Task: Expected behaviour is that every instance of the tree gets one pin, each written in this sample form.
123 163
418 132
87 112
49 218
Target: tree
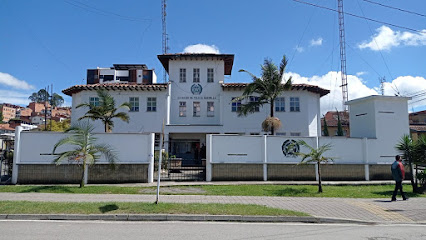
56 100
316 156
86 151
42 95
407 147
339 125
325 128
268 87
1 116
56 126
106 111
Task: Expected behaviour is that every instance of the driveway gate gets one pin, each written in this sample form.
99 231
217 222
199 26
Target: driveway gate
177 169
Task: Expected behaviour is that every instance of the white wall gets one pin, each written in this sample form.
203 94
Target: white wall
251 149
36 147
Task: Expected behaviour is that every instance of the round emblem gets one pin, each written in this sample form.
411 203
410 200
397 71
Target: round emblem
290 147
196 89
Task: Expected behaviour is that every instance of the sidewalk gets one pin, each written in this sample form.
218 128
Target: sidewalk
328 209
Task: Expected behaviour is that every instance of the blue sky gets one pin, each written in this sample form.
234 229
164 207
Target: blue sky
55 41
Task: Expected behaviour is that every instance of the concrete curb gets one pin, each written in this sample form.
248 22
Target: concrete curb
177 217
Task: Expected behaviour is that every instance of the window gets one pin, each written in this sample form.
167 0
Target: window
280 104
294 104
295 134
196 75
151 104
236 106
134 104
255 99
280 134
122 79
106 77
196 109
210 109
182 109
210 75
94 101
182 75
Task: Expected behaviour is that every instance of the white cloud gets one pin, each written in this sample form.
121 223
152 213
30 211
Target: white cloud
386 38
332 81
299 49
316 42
361 73
14 97
11 81
404 85
201 48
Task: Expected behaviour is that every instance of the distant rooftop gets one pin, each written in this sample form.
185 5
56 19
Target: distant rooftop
129 66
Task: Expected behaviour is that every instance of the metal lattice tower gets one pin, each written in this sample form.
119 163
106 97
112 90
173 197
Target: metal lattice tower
164 38
342 54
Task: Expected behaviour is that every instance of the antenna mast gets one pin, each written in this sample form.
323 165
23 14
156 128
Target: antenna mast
382 85
163 18
343 54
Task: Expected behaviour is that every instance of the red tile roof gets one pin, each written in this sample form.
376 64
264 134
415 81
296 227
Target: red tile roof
418 128
331 118
116 86
302 86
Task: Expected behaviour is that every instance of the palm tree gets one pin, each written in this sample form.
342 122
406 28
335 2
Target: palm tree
86 151
408 149
316 156
106 111
268 87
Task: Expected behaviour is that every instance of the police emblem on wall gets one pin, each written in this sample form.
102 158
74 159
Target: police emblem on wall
290 147
196 89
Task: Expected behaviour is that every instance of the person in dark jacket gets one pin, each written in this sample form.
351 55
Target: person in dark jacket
398 174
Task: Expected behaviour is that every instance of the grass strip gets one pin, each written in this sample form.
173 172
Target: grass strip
27 207
346 191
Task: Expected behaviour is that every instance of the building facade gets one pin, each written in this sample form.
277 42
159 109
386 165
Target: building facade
195 102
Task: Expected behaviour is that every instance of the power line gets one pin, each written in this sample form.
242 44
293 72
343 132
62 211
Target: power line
103 12
354 15
399 9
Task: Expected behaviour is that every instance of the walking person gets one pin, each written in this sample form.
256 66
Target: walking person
398 174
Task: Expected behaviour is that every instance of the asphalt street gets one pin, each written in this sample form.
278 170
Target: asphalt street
67 230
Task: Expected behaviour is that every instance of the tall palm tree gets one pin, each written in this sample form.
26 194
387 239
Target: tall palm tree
106 111
86 151
316 156
268 87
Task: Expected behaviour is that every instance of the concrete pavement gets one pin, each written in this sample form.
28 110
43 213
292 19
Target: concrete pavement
322 209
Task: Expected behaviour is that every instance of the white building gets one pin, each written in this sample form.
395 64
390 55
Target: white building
196 101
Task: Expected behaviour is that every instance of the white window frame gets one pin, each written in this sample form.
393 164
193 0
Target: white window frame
151 104
196 109
235 106
280 104
182 109
210 109
182 75
294 104
196 75
255 99
94 101
210 75
134 104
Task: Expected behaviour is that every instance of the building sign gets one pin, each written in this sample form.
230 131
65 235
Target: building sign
290 147
196 89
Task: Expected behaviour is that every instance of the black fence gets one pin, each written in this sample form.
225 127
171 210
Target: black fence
177 169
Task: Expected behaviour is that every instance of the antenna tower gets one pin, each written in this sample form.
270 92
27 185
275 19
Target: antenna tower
164 38
382 85
343 54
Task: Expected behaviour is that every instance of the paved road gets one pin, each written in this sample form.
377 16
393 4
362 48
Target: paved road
66 230
374 210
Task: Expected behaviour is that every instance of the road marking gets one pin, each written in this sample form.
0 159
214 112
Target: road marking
381 212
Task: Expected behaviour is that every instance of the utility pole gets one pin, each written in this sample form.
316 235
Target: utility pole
343 54
46 92
164 35
51 107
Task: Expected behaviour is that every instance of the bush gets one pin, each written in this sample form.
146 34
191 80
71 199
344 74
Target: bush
164 160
